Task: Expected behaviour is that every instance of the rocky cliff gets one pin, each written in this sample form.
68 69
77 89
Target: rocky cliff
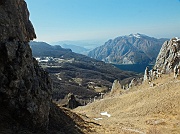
14 21
169 55
25 89
131 49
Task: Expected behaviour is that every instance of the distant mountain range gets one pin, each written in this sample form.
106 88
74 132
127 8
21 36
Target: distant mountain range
130 49
43 49
76 49
88 44
46 48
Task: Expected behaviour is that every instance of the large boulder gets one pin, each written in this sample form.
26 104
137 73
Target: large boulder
25 89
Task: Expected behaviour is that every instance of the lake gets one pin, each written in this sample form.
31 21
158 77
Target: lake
139 68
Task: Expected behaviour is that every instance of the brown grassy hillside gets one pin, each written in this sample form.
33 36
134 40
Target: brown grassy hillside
141 110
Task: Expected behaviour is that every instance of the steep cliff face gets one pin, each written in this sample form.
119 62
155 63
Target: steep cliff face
169 55
14 21
25 89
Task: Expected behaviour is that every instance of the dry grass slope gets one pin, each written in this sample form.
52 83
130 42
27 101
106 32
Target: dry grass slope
141 110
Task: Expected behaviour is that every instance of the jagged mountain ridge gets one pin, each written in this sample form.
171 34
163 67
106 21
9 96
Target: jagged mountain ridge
131 49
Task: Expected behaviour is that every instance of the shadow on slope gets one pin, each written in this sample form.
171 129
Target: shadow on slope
61 121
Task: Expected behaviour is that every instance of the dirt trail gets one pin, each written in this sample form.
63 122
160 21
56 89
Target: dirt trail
141 110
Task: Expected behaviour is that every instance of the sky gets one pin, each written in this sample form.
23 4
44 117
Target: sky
59 20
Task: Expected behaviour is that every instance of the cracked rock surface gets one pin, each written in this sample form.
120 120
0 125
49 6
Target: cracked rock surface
25 89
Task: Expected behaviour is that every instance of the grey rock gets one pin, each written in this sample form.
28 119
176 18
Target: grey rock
169 56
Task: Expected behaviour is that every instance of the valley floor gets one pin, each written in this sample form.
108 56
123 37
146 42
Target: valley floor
141 110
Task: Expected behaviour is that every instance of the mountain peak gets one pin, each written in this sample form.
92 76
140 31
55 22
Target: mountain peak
120 50
137 35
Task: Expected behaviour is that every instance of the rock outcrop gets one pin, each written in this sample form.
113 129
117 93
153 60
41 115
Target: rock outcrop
146 74
116 88
169 56
70 101
25 89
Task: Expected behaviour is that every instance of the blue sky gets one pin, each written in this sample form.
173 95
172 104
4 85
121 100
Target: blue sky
57 20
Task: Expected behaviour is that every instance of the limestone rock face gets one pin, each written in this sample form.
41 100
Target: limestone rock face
169 55
25 89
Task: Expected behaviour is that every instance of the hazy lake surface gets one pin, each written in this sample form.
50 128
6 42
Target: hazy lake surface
139 68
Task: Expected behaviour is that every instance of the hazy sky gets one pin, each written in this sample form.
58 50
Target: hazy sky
56 20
